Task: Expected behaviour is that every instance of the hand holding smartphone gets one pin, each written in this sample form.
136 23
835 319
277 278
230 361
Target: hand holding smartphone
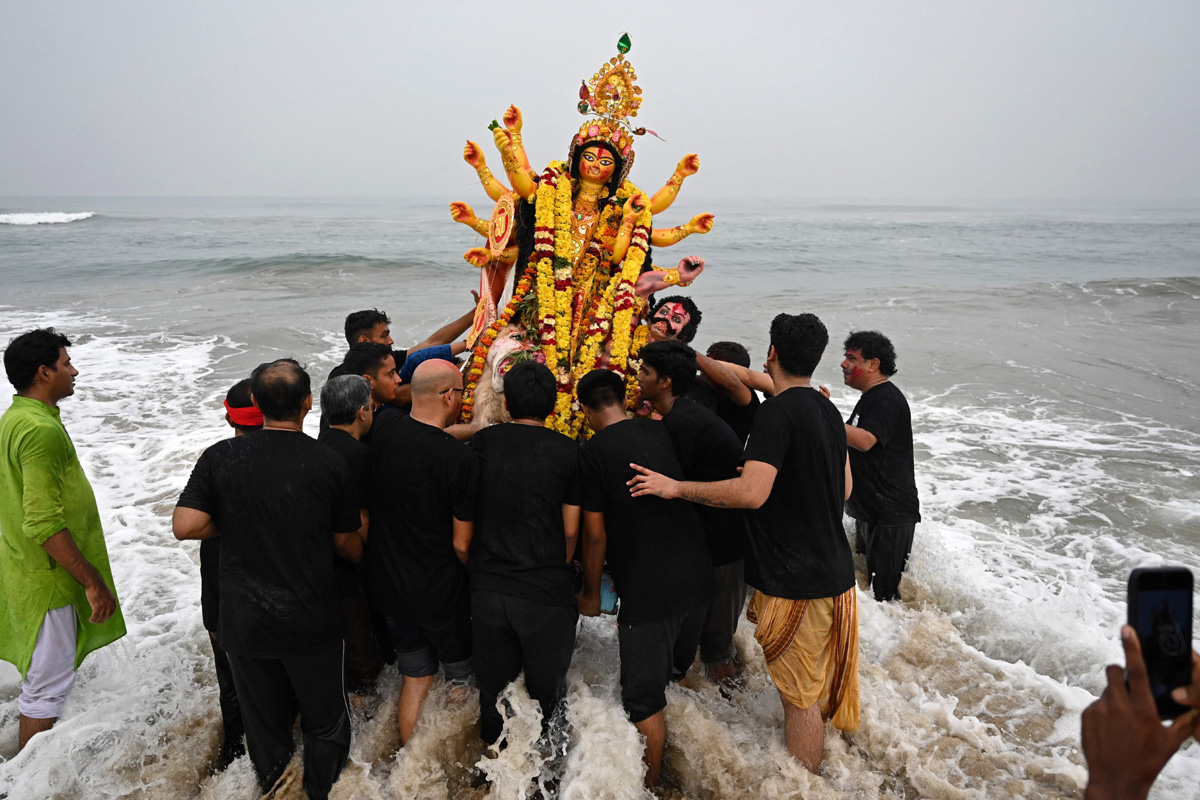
1160 610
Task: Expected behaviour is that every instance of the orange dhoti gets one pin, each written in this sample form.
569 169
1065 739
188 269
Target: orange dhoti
811 647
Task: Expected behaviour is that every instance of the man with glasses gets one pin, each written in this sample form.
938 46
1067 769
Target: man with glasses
423 487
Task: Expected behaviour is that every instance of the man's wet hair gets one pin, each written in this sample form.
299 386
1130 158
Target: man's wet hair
365 358
238 396
600 389
343 396
689 331
27 352
280 388
361 323
730 352
671 359
799 341
873 344
530 391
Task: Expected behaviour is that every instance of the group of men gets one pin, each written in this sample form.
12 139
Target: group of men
389 539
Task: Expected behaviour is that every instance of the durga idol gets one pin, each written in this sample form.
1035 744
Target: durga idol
579 234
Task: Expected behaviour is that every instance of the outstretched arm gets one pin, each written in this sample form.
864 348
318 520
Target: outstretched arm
481 256
519 175
759 381
473 155
664 197
448 332
719 373
461 212
748 490
665 237
656 280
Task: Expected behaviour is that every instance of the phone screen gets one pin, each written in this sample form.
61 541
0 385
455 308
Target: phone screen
1163 620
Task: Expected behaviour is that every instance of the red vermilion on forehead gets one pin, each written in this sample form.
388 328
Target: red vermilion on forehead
602 152
675 308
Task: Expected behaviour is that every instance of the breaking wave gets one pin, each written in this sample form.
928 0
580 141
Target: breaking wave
44 217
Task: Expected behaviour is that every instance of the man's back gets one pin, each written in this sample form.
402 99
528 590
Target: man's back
656 549
422 479
277 498
796 544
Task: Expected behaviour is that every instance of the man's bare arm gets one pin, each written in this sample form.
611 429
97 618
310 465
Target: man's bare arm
571 515
349 546
859 439
62 548
849 479
755 380
720 374
749 490
191 523
463 533
447 333
595 546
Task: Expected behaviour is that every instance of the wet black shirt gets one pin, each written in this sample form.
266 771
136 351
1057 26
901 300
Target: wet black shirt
421 479
519 547
709 450
740 418
885 486
796 544
358 473
277 498
657 553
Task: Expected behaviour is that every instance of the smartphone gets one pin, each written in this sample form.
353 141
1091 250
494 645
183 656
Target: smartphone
1160 610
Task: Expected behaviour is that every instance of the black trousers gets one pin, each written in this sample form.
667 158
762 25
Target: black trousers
265 688
512 634
887 548
231 710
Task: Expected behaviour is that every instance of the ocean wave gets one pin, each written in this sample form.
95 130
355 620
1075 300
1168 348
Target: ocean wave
44 217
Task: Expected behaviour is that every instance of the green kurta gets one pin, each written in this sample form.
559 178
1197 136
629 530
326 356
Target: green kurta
43 490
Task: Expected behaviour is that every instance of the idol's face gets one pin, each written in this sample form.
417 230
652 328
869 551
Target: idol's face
597 164
669 321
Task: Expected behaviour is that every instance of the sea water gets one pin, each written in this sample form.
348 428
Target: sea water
1047 350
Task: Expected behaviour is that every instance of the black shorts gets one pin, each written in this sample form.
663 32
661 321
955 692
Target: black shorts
653 654
420 646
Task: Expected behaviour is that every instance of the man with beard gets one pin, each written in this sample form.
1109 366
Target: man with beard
674 317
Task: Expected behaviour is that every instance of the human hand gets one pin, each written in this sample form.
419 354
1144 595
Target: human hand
701 223
461 212
1190 695
688 165
102 602
588 603
690 268
652 483
478 256
474 298
473 155
824 390
1124 742
512 119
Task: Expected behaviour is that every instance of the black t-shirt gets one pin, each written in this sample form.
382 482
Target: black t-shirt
210 582
421 479
739 418
657 553
277 498
885 485
795 544
709 450
519 547
358 473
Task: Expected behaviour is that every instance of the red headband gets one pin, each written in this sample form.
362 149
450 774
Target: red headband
249 417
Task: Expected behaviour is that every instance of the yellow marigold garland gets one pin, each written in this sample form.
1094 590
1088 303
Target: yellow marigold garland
479 354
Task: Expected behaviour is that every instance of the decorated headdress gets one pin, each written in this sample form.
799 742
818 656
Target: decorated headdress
613 97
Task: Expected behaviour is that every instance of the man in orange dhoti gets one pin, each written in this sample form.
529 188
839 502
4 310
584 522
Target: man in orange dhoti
796 479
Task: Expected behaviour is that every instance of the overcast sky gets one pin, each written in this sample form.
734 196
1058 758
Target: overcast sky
954 99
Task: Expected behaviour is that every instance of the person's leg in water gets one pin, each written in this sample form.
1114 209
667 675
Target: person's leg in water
804 733
654 728
50 677
319 686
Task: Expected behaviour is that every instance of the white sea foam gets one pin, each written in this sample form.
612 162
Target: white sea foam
44 217
971 689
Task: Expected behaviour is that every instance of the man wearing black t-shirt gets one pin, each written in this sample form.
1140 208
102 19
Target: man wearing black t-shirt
719 389
283 507
884 503
346 403
377 364
795 479
423 488
656 554
522 591
708 450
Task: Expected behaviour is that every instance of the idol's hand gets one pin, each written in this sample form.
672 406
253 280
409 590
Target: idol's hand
690 268
701 223
688 165
636 205
478 256
500 136
473 155
512 119
652 483
461 212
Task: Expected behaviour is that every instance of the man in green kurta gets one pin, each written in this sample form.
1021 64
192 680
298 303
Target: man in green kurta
56 588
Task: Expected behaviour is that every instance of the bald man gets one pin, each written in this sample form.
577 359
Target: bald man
423 487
